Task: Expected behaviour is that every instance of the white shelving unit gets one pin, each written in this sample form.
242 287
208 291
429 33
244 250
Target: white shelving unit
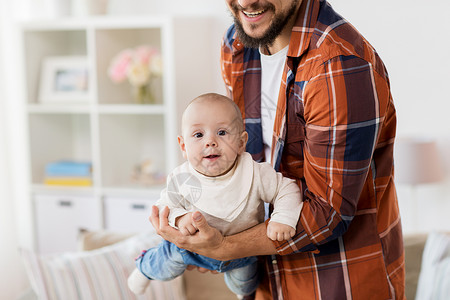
107 129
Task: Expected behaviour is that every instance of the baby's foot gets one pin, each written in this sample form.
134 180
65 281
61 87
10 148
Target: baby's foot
137 282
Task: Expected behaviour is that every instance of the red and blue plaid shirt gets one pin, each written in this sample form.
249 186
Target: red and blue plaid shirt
334 133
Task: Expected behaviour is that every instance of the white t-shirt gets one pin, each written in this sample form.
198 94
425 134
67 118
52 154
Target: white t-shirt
271 73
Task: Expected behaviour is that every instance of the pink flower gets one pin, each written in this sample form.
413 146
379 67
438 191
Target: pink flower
143 54
137 65
119 67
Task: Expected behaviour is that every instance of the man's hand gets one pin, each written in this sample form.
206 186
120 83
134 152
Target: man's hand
207 241
200 269
279 232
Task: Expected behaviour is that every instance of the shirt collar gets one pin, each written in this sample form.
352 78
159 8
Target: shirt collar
304 27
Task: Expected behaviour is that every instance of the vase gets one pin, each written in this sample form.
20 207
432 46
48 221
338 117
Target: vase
89 7
143 95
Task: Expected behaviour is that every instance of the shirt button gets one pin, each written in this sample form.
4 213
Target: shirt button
274 262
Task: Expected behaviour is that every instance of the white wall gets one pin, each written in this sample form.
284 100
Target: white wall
411 37
12 276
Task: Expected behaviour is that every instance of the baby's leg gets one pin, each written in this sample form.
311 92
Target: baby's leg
243 281
162 262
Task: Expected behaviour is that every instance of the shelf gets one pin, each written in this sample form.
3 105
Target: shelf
65 190
58 108
149 191
67 108
132 109
119 22
131 191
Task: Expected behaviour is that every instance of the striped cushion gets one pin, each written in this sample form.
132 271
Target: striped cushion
434 280
442 285
97 274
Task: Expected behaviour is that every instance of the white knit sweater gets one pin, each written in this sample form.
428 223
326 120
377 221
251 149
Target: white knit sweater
235 201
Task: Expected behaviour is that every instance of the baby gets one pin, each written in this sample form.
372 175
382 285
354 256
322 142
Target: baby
221 181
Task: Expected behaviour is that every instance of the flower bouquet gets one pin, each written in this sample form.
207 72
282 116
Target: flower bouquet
140 66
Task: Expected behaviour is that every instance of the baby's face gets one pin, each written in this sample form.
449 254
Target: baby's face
212 138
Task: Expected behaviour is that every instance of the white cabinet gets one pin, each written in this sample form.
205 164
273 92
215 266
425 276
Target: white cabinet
127 215
107 128
59 219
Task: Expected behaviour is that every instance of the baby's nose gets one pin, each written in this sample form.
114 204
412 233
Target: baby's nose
211 142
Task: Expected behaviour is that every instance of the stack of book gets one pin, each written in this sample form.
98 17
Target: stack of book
68 173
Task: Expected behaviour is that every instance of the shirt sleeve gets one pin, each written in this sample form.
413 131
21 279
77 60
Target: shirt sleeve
174 201
282 192
344 107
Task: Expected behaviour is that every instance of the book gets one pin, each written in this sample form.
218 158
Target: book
68 181
68 168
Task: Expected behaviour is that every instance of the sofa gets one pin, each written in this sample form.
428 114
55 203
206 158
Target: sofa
194 285
414 245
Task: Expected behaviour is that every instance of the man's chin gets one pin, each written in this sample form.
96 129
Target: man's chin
249 37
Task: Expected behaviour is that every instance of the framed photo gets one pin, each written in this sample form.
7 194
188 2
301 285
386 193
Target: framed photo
64 79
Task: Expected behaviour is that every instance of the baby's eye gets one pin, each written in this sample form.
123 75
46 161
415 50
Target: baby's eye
198 135
221 132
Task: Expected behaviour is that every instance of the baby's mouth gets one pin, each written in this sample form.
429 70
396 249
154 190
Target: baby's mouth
212 156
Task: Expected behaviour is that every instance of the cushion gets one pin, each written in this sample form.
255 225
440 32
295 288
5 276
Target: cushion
434 280
90 240
198 286
413 244
97 274
442 285
206 286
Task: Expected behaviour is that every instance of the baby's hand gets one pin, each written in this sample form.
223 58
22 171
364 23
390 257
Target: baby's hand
185 225
279 232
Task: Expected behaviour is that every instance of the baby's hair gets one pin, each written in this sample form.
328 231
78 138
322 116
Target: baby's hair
218 97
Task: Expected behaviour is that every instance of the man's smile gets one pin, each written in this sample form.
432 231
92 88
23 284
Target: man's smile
253 14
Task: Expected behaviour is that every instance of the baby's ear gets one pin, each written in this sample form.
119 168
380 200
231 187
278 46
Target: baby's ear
243 142
182 145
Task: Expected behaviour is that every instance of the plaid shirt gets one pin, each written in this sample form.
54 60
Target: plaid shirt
333 132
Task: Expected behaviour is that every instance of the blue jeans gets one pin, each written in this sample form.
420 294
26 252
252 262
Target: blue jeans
167 261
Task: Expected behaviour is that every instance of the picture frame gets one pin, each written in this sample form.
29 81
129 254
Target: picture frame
64 79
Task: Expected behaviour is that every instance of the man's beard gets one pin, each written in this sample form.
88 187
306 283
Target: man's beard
275 29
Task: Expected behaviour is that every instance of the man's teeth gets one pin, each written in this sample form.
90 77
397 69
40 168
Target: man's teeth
253 14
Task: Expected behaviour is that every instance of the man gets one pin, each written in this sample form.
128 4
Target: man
334 120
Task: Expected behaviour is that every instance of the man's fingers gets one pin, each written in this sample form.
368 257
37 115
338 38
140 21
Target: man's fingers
200 269
199 221
164 217
154 217
204 270
191 229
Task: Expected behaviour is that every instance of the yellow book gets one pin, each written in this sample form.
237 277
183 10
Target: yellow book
68 181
